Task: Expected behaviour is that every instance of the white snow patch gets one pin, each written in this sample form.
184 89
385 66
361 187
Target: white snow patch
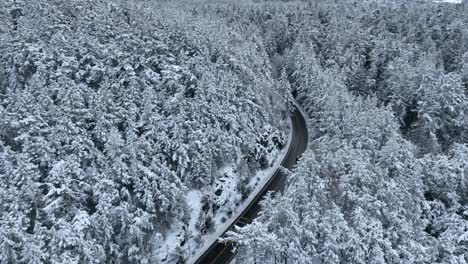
229 194
193 199
255 181
228 184
166 250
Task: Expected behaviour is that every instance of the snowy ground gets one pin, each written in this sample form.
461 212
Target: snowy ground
194 199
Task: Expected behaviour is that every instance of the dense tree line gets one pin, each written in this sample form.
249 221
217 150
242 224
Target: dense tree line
110 111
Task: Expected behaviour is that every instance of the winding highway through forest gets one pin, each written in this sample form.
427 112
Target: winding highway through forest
220 253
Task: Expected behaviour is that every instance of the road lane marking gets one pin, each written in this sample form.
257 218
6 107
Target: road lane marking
220 253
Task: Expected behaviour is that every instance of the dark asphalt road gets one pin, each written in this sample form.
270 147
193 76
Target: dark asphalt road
220 253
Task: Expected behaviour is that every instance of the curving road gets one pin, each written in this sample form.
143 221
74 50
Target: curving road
218 252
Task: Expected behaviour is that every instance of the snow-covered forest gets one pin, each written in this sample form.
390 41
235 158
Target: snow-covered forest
130 129
111 113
